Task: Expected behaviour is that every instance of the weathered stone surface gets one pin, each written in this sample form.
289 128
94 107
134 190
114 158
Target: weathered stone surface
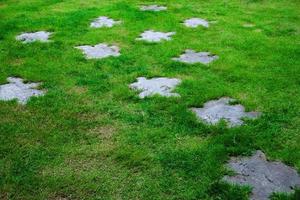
161 86
216 110
154 8
195 22
104 22
192 57
41 36
16 89
99 51
152 36
263 176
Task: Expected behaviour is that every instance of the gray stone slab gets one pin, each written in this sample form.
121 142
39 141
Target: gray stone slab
192 57
263 176
153 36
216 110
154 8
195 22
161 86
16 89
104 21
41 36
99 51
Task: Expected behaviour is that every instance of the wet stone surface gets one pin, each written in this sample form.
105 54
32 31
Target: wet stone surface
16 89
104 22
192 57
161 86
263 176
41 36
195 22
154 8
216 110
152 36
99 51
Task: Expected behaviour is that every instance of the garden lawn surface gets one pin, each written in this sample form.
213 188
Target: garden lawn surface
91 137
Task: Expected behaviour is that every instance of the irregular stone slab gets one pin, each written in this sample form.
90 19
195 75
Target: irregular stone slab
248 25
16 89
99 51
152 36
41 36
161 86
104 22
263 176
216 110
192 57
154 8
195 22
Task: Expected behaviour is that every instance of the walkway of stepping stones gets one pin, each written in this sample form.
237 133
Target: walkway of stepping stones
265 177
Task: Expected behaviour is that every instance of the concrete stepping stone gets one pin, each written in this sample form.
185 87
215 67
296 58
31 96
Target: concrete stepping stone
104 22
41 36
17 89
152 36
99 51
192 57
263 176
195 22
216 110
154 8
161 86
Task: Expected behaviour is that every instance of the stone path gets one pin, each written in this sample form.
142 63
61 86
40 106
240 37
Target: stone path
264 176
192 57
154 8
152 36
104 22
161 86
195 22
41 36
99 51
16 89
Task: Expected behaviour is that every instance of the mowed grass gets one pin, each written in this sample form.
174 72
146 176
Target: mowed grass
91 137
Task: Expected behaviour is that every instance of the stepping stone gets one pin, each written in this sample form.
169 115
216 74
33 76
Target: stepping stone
216 110
99 51
152 36
41 36
17 89
195 22
161 86
104 22
248 25
192 57
263 176
154 8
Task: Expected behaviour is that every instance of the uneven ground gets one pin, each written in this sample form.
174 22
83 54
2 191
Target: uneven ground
91 137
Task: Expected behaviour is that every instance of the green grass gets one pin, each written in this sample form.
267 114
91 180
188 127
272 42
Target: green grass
91 137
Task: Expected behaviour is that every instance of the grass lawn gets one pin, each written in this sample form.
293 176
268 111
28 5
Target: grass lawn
91 137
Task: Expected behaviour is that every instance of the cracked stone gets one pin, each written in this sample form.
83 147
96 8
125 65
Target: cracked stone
192 57
216 110
41 36
161 86
195 22
16 89
104 22
154 8
99 51
152 36
263 176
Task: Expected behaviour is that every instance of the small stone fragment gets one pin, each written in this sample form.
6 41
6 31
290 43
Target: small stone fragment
41 36
154 8
16 89
99 51
104 22
216 110
263 176
195 22
152 36
161 86
192 57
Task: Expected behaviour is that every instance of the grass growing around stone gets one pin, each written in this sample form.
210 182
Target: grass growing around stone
91 137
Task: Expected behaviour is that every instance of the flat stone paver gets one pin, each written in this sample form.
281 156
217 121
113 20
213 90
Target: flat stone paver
153 36
104 22
216 110
154 8
99 51
195 22
192 57
161 86
16 89
41 36
263 176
